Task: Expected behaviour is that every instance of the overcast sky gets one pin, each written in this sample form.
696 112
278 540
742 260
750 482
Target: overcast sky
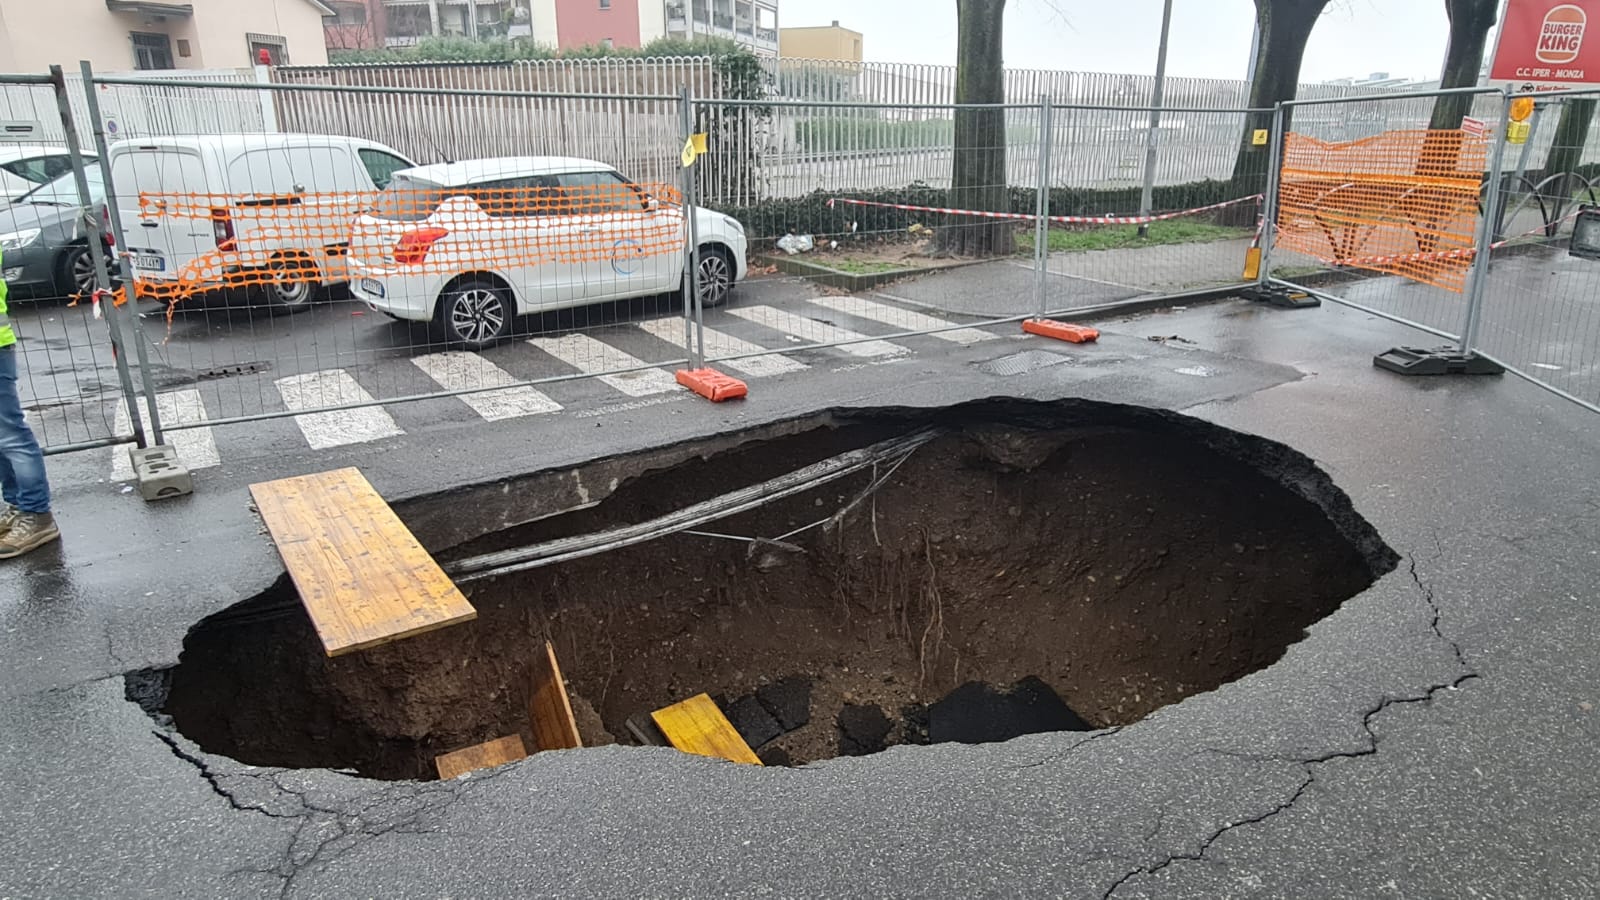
1210 38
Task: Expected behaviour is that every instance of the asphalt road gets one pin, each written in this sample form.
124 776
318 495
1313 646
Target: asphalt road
1436 736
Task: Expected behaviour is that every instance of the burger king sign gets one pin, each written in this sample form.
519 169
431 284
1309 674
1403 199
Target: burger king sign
1547 45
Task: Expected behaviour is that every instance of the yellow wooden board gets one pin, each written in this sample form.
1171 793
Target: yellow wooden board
697 726
549 707
361 574
486 755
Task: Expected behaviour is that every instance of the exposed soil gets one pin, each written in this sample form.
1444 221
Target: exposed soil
1126 567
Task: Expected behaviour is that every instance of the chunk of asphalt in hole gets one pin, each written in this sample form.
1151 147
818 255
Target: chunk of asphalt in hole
976 713
788 700
753 723
862 730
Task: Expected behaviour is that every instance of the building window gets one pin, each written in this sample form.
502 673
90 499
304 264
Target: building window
151 51
351 13
605 4
276 47
607 43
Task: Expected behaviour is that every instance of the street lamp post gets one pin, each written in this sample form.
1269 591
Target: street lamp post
1146 198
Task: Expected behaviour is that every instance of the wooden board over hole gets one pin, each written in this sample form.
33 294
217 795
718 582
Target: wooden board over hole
549 707
361 574
697 726
486 755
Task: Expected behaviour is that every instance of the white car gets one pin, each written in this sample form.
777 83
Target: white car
469 246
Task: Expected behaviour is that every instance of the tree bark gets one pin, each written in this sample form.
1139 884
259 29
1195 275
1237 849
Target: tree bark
978 175
1572 132
1470 22
1285 27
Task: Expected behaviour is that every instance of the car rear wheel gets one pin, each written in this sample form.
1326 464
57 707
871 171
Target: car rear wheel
75 273
715 277
293 285
474 314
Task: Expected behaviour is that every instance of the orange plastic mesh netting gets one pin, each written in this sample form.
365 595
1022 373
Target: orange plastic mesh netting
1402 202
282 239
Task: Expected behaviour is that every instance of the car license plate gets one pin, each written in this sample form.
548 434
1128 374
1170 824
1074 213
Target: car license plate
149 262
372 287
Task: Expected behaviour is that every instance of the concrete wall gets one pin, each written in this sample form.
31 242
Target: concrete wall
583 23
35 33
824 42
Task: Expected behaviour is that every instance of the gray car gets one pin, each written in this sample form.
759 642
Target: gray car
45 239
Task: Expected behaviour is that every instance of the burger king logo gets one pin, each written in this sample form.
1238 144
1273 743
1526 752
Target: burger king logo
1561 35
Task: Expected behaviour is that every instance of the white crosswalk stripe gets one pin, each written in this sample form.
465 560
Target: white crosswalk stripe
902 319
811 331
460 371
720 343
334 387
196 447
590 356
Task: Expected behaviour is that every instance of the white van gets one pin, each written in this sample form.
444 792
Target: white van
280 205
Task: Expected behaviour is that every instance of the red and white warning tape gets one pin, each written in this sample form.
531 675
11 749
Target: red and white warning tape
1062 220
1367 262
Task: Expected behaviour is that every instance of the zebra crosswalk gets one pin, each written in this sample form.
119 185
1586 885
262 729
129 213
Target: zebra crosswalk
340 407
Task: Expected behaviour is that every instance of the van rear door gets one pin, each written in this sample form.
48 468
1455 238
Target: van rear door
162 239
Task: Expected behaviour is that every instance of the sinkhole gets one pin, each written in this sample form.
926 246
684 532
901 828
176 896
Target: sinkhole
1021 568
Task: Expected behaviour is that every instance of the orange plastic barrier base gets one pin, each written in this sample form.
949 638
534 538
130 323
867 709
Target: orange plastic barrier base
712 385
1061 331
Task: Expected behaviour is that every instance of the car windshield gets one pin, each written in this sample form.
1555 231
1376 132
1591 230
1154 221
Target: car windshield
64 191
408 199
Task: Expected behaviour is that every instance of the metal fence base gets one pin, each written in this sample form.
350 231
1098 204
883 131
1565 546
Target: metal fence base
1442 361
159 473
1281 297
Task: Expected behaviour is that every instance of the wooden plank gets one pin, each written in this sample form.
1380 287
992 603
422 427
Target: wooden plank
363 577
697 726
486 755
549 707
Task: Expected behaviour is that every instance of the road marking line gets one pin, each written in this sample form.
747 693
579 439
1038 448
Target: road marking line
196 447
456 370
902 319
334 428
722 344
592 357
811 331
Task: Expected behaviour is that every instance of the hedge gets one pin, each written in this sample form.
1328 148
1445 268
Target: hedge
811 215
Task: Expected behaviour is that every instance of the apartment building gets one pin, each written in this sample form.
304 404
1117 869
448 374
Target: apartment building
118 35
828 42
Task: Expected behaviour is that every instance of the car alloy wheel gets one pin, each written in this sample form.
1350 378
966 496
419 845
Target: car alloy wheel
81 270
716 278
477 315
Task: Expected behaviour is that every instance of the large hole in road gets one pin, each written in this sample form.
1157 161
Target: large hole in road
1055 568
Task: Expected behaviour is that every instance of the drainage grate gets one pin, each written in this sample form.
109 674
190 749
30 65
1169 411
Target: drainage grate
254 368
1023 363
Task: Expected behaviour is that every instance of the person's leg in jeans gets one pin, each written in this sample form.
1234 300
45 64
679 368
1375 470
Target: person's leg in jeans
25 489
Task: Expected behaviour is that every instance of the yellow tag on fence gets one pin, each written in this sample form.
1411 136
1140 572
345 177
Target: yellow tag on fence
693 148
1252 264
1259 137
1517 132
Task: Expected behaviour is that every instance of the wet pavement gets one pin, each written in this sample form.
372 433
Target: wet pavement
1436 736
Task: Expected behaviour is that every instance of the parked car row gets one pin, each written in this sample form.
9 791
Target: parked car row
300 213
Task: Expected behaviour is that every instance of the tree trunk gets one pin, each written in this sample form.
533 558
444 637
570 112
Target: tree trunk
1285 27
978 176
1572 132
1470 21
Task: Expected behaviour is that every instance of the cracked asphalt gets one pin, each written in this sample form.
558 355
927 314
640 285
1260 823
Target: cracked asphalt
1434 737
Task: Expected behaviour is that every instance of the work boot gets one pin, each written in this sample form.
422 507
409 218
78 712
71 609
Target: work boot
8 517
28 532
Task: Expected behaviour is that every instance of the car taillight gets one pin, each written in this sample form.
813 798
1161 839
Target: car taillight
413 247
106 231
222 228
